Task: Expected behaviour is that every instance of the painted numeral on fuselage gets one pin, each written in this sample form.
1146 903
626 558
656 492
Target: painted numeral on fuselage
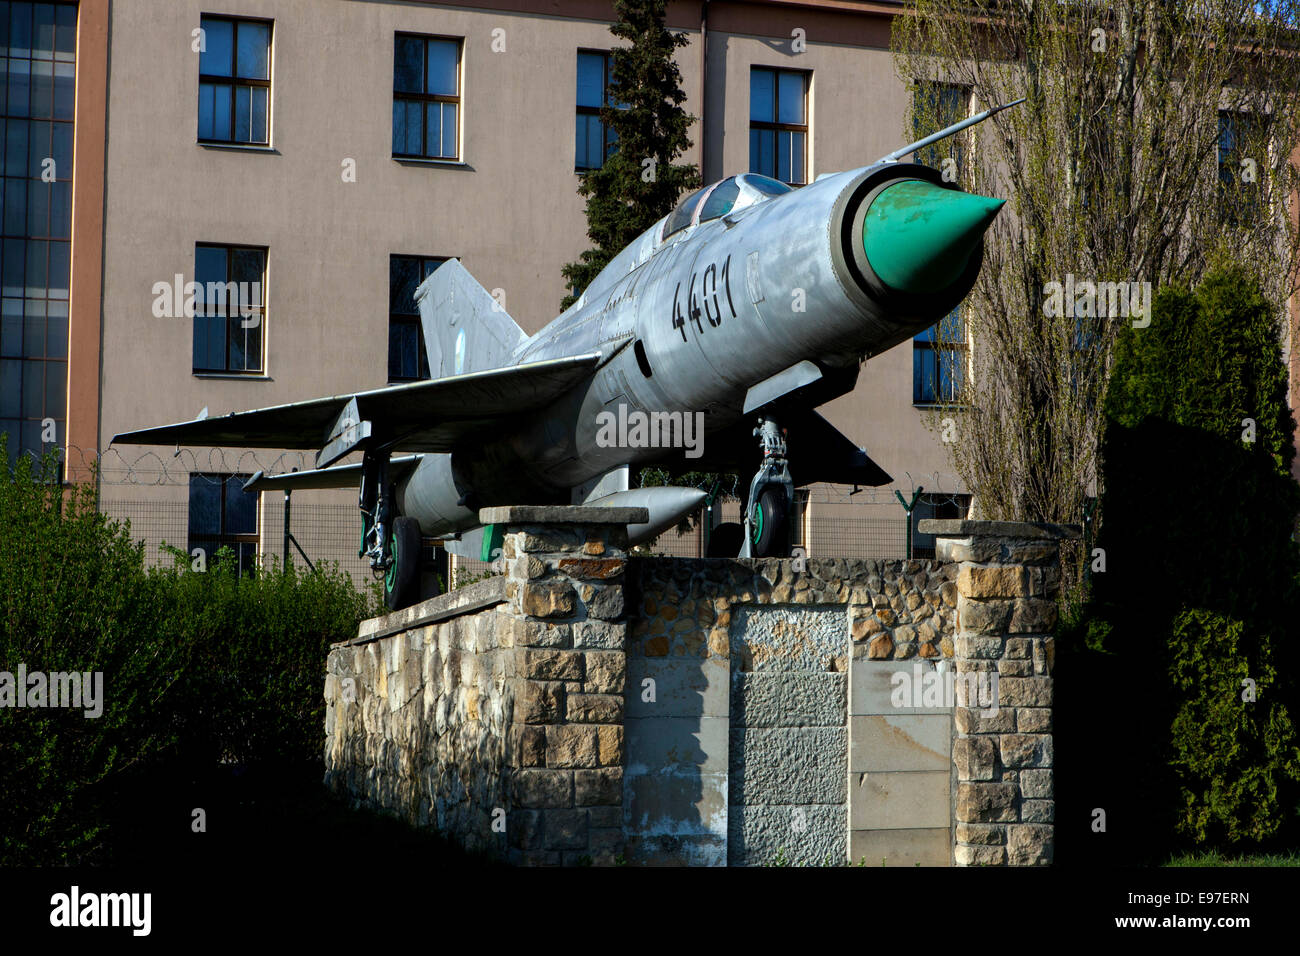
709 300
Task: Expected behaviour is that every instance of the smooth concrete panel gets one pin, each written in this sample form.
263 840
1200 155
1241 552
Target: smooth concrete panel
903 742
899 800
657 743
682 687
872 685
895 848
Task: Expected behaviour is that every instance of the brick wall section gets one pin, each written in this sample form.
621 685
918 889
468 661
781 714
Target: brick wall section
1007 582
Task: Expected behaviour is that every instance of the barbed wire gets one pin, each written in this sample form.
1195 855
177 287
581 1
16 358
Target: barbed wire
152 468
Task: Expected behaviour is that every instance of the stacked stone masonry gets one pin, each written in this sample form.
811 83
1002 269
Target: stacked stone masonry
591 707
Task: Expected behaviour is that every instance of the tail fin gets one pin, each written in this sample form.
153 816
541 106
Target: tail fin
465 328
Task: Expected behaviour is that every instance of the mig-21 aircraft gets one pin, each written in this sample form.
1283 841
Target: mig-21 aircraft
744 309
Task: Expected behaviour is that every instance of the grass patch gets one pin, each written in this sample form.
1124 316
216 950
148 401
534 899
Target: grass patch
1215 858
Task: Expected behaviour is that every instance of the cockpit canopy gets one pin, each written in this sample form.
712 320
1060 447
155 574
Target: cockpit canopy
716 200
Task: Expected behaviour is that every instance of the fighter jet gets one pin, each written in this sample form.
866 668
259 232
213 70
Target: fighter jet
706 343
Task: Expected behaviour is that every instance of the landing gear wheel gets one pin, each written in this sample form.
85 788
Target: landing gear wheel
725 540
402 579
771 524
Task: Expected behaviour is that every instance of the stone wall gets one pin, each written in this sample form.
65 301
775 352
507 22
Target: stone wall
495 713
594 708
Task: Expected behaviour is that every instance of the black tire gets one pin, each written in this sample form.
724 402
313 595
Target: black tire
771 524
725 540
402 584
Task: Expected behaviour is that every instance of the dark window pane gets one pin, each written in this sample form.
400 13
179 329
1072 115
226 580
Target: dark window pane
61 210
56 388
443 55
221 113
56 331
38 146
414 128
33 388
253 56
10 388
11 328
33 329
243 115
217 56
15 218
65 46
241 508
791 98
783 156
448 130
16 148
591 79
20 28
19 87
408 65
15 262
43 30
207 111
209 264
236 359
247 265
403 277
258 133
399 126
797 152
762 106
42 89
38 208
205 505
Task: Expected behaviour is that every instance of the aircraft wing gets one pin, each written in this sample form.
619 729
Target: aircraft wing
429 416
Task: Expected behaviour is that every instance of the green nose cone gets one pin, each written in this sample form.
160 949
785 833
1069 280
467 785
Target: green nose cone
918 237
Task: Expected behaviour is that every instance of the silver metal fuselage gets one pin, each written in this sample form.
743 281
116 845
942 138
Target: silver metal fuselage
714 309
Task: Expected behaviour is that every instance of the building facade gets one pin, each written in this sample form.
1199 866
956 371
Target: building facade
316 158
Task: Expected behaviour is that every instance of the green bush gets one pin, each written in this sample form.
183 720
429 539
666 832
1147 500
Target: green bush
1234 757
1200 586
197 667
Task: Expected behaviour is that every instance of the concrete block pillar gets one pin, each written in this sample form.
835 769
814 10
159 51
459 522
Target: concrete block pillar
565 569
1008 580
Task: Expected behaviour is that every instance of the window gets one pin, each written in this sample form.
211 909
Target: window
721 200
223 514
408 359
36 123
426 97
937 106
235 81
934 506
939 361
230 308
778 124
595 140
681 217
1243 161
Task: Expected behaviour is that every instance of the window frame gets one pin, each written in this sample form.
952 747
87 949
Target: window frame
406 318
224 537
607 148
934 347
234 81
1237 204
779 127
260 370
424 98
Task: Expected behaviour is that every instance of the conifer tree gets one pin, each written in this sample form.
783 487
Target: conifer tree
640 182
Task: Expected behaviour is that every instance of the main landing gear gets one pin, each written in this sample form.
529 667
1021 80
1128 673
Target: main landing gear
391 543
765 532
